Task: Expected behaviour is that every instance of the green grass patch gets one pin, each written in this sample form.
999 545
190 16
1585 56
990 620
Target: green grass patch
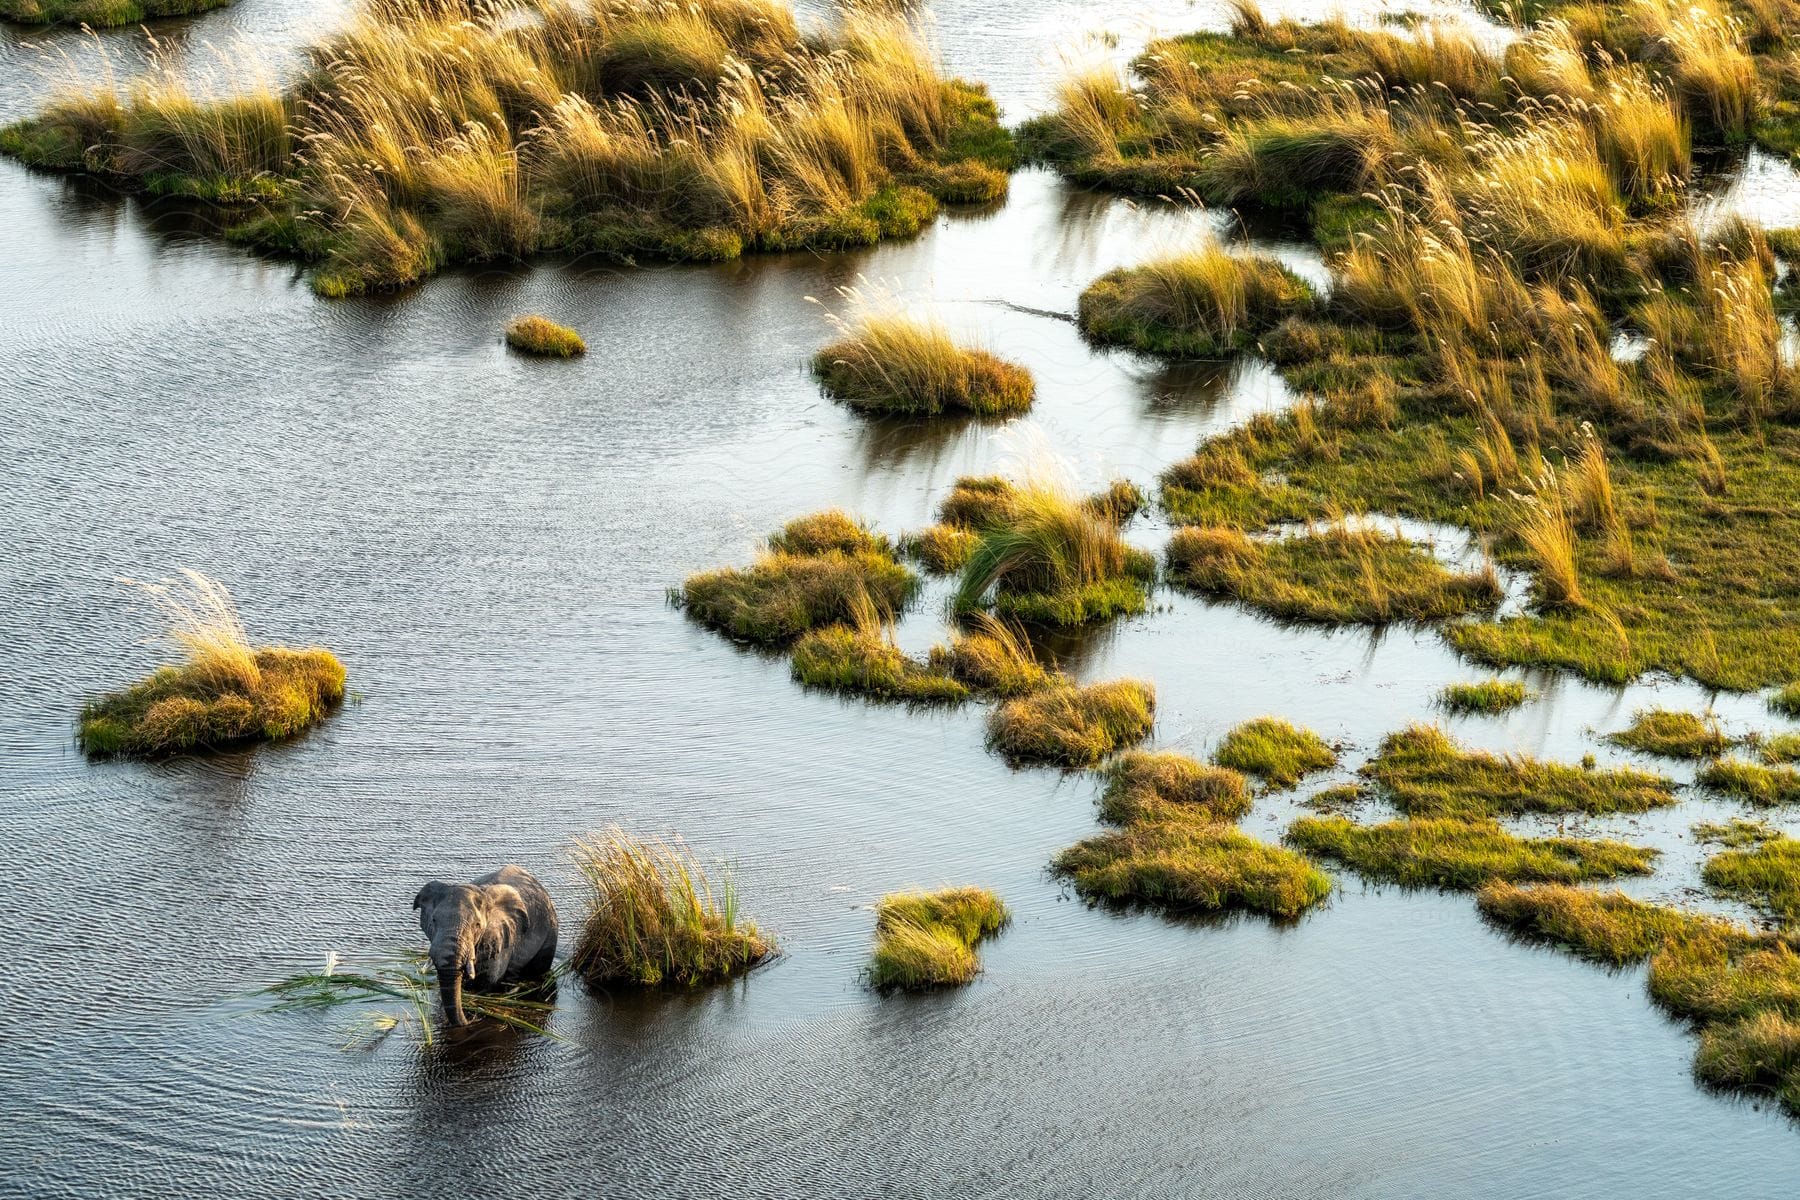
1073 726
927 940
655 918
1786 700
1606 927
100 14
1673 734
865 661
1192 866
1457 853
1766 875
1750 781
1484 696
1426 774
543 338
1148 786
1336 574
1274 751
1778 748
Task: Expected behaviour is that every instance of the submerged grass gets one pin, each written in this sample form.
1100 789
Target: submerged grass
1275 751
1338 574
656 920
226 693
1071 725
540 336
1766 875
408 978
1454 852
1672 734
1484 696
927 940
1424 773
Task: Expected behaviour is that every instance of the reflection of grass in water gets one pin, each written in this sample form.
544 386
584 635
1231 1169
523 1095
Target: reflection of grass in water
405 976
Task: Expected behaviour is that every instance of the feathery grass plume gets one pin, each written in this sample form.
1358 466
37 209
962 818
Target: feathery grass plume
655 918
1337 573
1541 521
407 977
1424 773
1593 504
1706 57
927 940
993 656
1673 734
1453 852
1484 696
1199 303
1766 875
1192 866
1147 786
1644 135
540 336
888 361
1745 780
226 692
1073 726
1275 751
1608 927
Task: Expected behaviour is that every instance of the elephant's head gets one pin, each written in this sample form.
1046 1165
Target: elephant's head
469 926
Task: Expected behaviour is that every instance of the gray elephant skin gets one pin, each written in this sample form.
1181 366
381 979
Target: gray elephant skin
496 931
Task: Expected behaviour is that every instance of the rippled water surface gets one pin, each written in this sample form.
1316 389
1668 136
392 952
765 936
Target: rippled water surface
486 542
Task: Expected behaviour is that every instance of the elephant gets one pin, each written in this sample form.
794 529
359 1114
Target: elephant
500 929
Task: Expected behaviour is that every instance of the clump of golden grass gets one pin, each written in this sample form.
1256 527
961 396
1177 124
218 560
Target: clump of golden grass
927 940
1485 696
226 692
1608 927
1192 866
1766 875
427 133
656 920
1673 734
1073 726
1541 521
1703 44
1424 773
893 363
1456 853
1144 785
1275 751
941 549
861 656
1751 781
1339 573
1047 557
540 336
820 570
992 656
1199 303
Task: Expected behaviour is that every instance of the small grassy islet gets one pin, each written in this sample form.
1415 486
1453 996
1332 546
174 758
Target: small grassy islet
1070 725
891 363
541 337
1454 852
1484 696
1275 751
1670 734
1424 773
927 940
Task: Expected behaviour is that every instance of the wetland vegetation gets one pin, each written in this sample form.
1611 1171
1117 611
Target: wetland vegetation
1275 751
927 940
1424 773
893 363
1484 696
540 336
100 13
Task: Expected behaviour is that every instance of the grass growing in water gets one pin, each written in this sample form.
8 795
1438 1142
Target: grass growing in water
100 14
1203 303
1608 927
891 363
540 336
1485 696
655 919
406 977
1275 751
1735 833
1338 574
861 656
941 549
1426 774
1459 853
1192 866
1751 781
1148 786
1672 734
1766 875
226 693
1073 726
927 940
993 657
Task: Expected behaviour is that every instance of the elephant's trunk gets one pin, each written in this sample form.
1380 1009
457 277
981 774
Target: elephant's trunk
450 989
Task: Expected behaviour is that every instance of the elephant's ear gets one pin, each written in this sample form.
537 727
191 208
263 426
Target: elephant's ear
431 893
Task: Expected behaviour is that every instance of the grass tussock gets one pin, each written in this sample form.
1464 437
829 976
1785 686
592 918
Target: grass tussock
927 940
1144 786
1484 696
1608 927
1754 782
1673 734
1203 303
863 659
226 692
1275 751
100 14
891 363
544 338
1460 853
1339 573
424 134
656 920
821 570
1071 725
1777 747
1766 875
941 549
1424 773
993 657
1192 866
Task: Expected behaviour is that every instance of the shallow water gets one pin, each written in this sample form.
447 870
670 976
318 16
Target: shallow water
486 541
